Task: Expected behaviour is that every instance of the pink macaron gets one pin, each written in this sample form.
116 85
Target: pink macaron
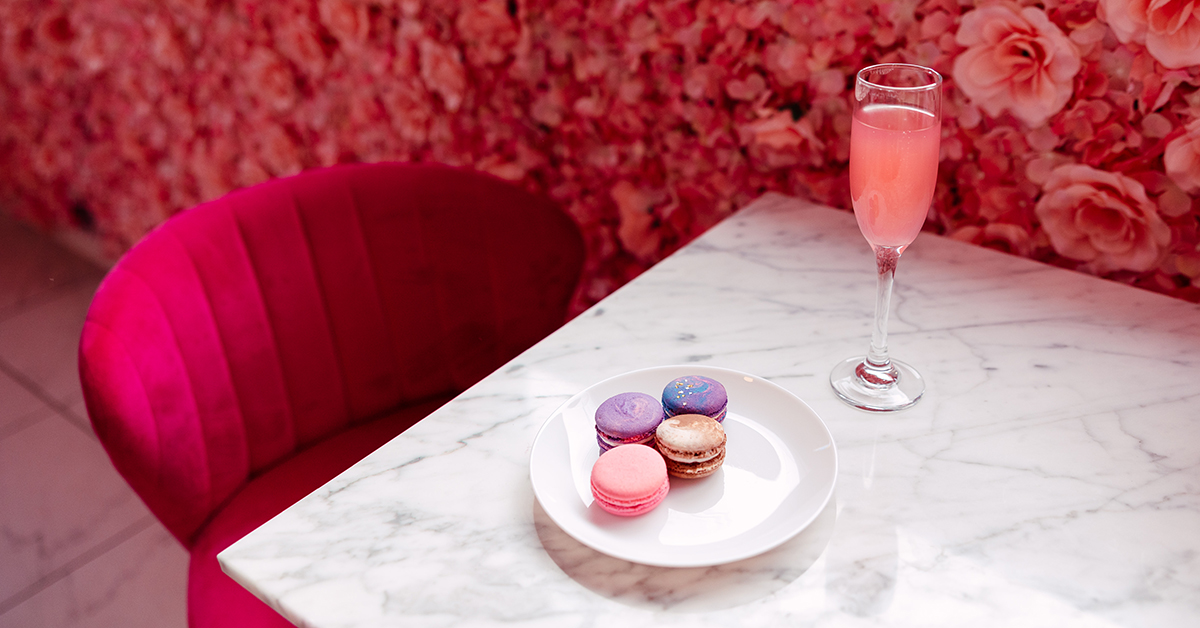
630 480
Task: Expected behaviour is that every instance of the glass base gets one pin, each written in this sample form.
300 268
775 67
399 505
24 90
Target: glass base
904 390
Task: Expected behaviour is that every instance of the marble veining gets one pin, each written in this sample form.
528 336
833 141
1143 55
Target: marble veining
1050 476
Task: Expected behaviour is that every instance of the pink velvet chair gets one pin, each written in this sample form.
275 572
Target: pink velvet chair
253 347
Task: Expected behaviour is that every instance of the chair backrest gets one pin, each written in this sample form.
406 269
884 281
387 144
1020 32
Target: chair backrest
244 329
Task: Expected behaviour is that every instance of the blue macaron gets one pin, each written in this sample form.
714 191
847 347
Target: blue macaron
695 394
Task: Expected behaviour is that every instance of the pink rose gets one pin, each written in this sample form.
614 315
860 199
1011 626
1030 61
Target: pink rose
269 80
1016 60
165 47
55 29
1001 236
1102 218
1182 158
275 150
209 163
346 21
443 72
636 231
488 32
747 89
704 81
786 61
1170 29
780 131
296 38
409 107
96 47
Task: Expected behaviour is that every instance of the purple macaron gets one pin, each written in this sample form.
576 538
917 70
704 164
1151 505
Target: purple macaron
627 419
695 394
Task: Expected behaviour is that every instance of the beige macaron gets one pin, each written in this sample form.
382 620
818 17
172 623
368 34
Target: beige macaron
692 445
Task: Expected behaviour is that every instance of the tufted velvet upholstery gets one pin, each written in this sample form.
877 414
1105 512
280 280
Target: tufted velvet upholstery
291 320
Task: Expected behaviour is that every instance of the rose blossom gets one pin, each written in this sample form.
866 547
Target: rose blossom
1001 236
1103 218
297 39
269 79
279 153
488 32
1182 158
636 231
346 21
1016 59
1170 29
443 72
780 131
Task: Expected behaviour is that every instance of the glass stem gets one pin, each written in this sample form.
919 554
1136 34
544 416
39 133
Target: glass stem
877 370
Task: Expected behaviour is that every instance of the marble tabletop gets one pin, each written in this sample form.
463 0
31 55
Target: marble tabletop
1049 477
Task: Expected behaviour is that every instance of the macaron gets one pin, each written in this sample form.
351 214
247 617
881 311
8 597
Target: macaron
627 419
629 480
695 394
693 445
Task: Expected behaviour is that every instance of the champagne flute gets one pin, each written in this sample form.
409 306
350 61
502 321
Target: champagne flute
894 143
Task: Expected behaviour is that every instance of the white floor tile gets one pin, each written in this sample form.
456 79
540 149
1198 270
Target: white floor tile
16 405
77 547
76 412
33 267
42 341
141 583
59 497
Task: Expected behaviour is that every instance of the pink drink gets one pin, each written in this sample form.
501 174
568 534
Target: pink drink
893 168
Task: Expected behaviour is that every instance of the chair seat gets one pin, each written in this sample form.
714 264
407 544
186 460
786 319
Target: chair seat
215 599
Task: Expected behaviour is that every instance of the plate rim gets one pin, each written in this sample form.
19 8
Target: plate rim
686 369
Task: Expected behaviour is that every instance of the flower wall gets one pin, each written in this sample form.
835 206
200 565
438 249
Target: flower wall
1071 131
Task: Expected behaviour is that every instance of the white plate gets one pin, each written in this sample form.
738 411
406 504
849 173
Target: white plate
779 472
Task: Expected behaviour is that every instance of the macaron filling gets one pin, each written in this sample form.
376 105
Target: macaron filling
606 443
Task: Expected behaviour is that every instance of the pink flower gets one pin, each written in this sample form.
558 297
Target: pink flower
55 29
1170 29
269 80
704 81
1016 60
272 147
636 231
1001 236
250 172
410 108
346 21
786 62
780 131
96 47
1102 218
747 89
488 31
1182 158
165 47
296 39
1189 264
210 163
443 72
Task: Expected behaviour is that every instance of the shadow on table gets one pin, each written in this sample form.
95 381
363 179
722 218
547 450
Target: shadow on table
693 589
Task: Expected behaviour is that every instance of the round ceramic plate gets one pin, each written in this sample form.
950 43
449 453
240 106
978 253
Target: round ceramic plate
779 472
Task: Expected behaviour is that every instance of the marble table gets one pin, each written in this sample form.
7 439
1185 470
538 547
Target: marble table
1049 477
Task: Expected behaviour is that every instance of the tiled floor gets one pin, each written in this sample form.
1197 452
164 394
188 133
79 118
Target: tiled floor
77 547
